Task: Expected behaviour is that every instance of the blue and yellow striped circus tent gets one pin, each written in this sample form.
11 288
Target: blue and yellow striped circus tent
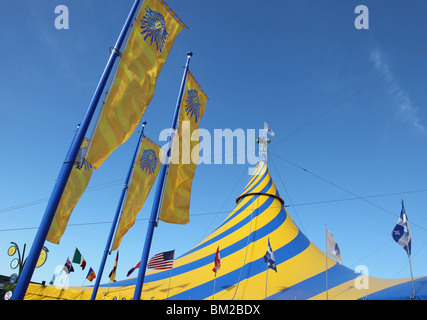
259 218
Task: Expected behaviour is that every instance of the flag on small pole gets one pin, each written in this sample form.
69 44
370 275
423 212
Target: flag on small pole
133 269
268 129
269 257
78 258
217 266
112 274
162 261
402 235
333 250
217 262
271 263
91 275
68 266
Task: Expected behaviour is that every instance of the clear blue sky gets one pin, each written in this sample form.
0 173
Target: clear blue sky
283 62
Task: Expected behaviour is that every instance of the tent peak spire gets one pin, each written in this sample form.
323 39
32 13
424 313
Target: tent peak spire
263 141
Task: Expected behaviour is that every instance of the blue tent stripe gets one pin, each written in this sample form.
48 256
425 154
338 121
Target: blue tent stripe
291 249
244 207
250 188
402 291
237 226
255 176
315 285
254 236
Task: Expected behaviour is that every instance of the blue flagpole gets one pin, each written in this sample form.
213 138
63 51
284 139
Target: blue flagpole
116 215
159 190
68 164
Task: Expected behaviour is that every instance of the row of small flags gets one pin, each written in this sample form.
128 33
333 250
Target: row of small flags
400 234
164 260
160 261
78 259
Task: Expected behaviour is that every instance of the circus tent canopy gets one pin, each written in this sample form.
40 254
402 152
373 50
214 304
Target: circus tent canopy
242 238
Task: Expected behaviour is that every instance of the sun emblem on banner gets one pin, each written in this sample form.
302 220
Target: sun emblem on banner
153 26
80 161
193 105
148 161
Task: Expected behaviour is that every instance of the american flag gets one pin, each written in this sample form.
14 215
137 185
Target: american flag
163 260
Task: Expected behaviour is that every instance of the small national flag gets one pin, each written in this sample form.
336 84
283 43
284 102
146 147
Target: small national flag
133 269
68 267
91 275
163 260
78 258
268 129
401 233
332 247
269 257
217 265
112 274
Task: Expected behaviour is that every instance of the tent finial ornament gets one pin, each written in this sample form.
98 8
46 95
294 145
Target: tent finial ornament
263 140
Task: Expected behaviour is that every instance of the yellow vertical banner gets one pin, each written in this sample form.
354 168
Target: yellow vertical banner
149 44
146 168
176 197
74 189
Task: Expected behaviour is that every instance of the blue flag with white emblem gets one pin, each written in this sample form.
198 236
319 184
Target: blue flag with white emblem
269 257
401 233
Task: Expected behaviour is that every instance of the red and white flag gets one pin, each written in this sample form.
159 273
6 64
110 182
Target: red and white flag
217 262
